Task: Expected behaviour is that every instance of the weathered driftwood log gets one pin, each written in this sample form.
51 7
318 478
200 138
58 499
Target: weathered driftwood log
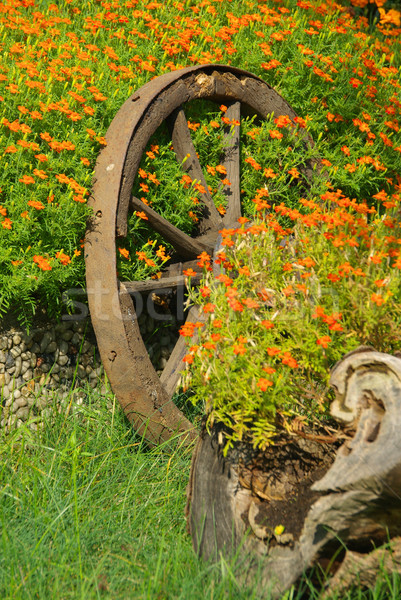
329 496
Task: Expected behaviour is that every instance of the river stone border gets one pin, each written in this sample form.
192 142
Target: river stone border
51 366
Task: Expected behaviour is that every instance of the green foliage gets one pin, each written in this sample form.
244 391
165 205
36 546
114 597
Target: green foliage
67 69
287 305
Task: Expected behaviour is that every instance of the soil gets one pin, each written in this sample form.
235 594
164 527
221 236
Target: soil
281 478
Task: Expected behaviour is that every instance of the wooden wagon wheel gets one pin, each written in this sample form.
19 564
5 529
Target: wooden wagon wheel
146 398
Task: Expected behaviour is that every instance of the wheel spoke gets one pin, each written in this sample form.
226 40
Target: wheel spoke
187 157
184 244
164 283
172 371
231 162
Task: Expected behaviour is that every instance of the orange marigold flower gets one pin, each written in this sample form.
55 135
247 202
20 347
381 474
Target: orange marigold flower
324 341
307 262
149 262
377 299
267 324
204 260
27 179
276 135
282 121
188 358
289 360
273 351
152 177
377 258
319 312
41 157
124 252
62 178
7 223
63 258
205 291
3 211
39 173
235 304
250 303
187 330
301 122
288 291
189 272
209 307
224 279
355 82
200 188
269 173
239 349
193 126
36 204
141 215
336 327
209 345
42 263
264 383
272 64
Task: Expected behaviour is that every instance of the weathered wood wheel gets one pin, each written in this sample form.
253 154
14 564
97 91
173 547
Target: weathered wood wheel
146 398
336 504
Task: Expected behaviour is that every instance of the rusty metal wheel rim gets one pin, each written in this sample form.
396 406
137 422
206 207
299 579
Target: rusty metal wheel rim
141 393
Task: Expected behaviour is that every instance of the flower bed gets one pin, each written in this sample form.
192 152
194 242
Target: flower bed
59 90
66 71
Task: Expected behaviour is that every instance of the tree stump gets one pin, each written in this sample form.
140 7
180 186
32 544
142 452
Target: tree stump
313 499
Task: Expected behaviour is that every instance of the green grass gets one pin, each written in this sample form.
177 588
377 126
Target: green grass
87 511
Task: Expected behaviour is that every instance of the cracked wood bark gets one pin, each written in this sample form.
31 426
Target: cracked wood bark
354 498
364 570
